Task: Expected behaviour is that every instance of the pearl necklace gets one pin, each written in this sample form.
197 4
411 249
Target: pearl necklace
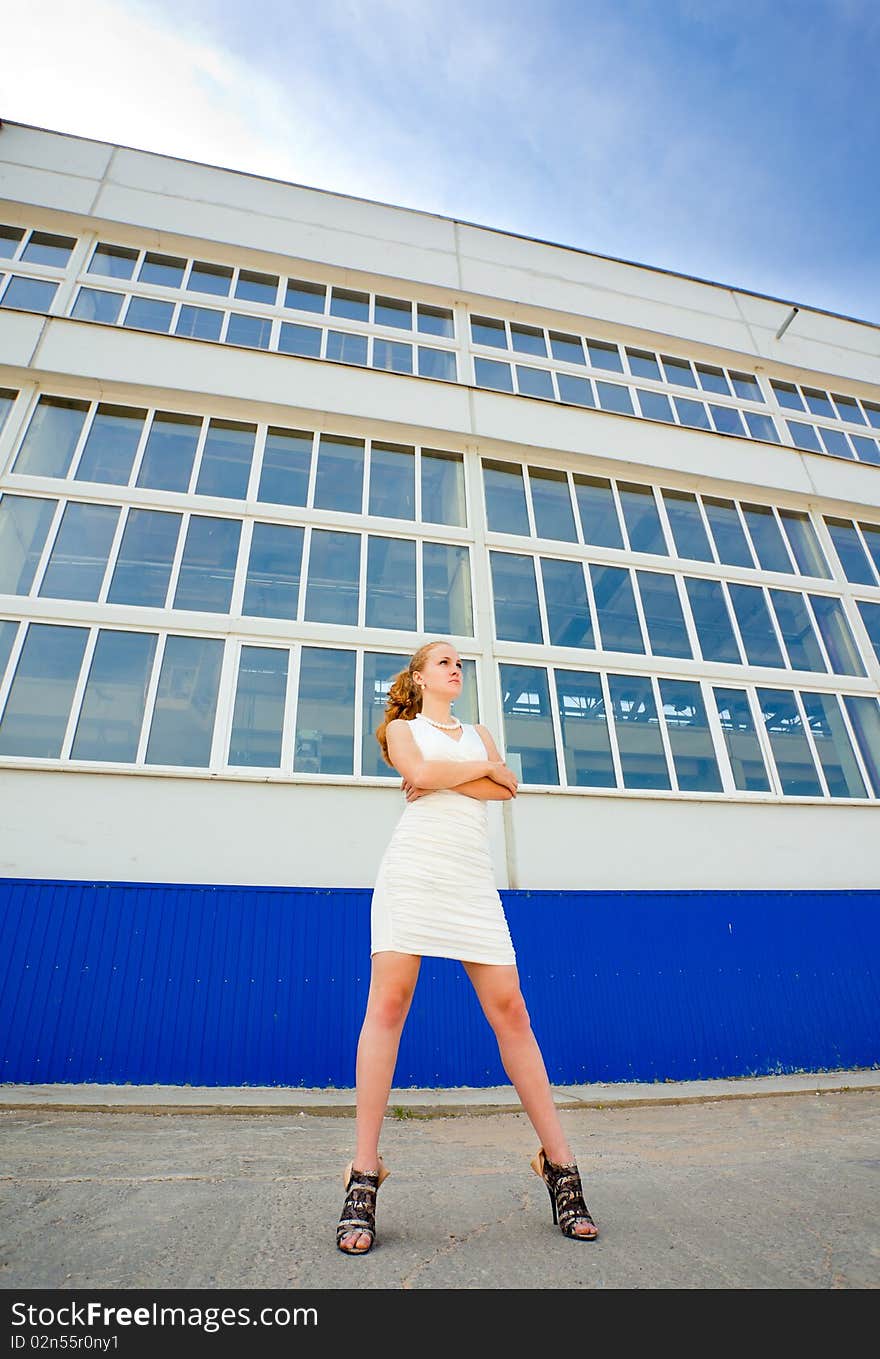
444 726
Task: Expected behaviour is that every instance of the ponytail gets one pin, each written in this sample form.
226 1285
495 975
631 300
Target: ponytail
404 697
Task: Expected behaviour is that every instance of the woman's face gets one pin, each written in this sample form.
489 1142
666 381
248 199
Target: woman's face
442 672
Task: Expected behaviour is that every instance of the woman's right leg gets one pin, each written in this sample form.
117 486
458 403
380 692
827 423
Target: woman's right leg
392 985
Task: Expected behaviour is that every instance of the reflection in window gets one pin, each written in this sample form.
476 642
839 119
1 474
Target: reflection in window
113 261
505 497
586 743
515 593
496 376
686 522
798 634
253 287
24 523
551 502
712 379
199 323
272 586
870 615
791 751
302 340
693 754
170 452
637 726
596 505
226 459
840 643
741 741
392 356
761 426
755 625
833 747
380 671
258 716
111 445
186 702
745 385
35 717
303 296
146 555
565 595
339 483
391 583
714 630
434 320
80 551
44 248
616 613
166 270
207 570
392 481
112 712
325 712
144 313
864 715
345 348
95 304
804 543
727 420
209 278
437 363
51 437
393 311
848 546
485 330
354 306
691 413
530 749
664 619
767 538
334 573
28 294
443 488
251 332
446 574
679 372
727 530
287 461
642 518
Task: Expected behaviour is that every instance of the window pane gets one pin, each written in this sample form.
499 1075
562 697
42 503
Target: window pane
340 476
727 420
819 403
393 311
113 261
199 323
565 594
35 718
226 459
252 332
44 248
767 538
837 636
566 348
112 713
864 714
528 340
258 716
833 746
678 372
355 306
870 615
731 543
146 314
836 443
574 390
391 583
642 518
486 330
79 553
496 376
756 628
787 395
380 671
505 498
146 556
747 387
334 572
442 488
761 426
434 320
804 543
24 523
871 534
868 450
515 593
804 436
207 570
272 586
186 702
392 481
644 364
655 406
392 357
691 413
551 502
166 270
94 304
872 411
686 522
446 575
637 726
794 763
693 754
613 397
111 445
664 619
847 408
618 621
10 238
598 511
741 741
209 278
302 296
848 546
170 452
530 749
345 348
714 630
287 460
712 379
437 363
586 743
302 340
253 287
604 355
29 294
534 382
325 712
797 630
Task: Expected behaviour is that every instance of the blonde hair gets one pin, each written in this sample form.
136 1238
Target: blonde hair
404 697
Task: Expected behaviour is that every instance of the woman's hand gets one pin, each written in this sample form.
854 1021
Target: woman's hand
412 792
499 772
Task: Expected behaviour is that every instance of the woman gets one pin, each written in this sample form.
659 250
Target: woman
435 896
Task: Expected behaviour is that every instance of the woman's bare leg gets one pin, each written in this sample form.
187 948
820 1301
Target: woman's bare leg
392 985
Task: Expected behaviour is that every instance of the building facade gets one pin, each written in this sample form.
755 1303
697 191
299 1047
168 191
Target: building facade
259 441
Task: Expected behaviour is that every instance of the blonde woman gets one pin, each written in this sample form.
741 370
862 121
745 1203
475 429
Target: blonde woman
435 896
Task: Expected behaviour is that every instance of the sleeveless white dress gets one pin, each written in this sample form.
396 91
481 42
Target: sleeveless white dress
435 892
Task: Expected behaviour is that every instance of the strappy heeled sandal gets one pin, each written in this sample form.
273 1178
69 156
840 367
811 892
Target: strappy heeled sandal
566 1195
359 1208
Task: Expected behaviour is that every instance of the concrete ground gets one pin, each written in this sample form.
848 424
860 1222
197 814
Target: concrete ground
775 1184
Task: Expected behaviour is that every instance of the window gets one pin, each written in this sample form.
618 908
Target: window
95 304
166 270
485 330
51 437
146 555
252 332
144 313
352 305
199 323
170 451
437 363
186 702
113 261
111 445
534 382
551 502
38 707
253 287
325 712
528 340
28 294
394 311
340 477
566 348
346 348
272 586
24 524
496 376
604 355
303 296
392 481
435 320
302 340
446 574
258 716
112 711
505 497
515 595
443 499
287 460
226 459
391 583
10 239
44 248
334 574
393 357
208 566
209 278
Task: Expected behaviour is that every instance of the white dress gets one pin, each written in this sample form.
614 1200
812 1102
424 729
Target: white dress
435 892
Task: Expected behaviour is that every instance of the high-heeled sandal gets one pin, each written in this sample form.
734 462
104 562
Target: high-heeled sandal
566 1195
359 1208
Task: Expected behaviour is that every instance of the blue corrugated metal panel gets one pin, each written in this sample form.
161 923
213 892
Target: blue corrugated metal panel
204 985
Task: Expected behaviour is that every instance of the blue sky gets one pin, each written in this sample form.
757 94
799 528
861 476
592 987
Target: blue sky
735 140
